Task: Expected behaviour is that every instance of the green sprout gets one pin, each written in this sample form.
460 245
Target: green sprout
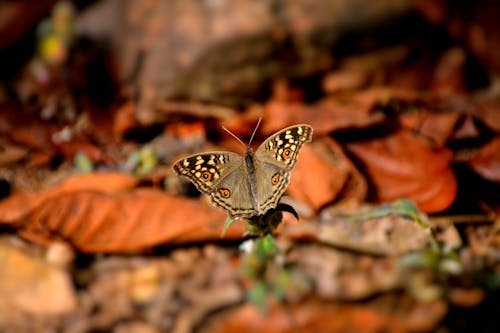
83 163
142 161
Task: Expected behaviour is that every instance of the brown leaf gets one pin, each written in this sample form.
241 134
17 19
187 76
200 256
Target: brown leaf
466 297
101 182
102 213
402 165
11 28
72 148
489 113
352 111
324 118
486 161
321 174
10 153
313 315
437 126
448 75
344 79
124 119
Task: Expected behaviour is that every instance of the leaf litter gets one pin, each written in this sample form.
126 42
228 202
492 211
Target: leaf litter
129 247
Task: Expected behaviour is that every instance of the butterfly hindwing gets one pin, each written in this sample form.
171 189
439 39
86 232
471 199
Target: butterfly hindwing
272 183
233 194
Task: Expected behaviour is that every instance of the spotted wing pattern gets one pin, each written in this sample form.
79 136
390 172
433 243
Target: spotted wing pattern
282 148
206 170
237 189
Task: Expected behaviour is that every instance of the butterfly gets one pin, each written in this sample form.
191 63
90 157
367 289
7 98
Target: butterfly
249 185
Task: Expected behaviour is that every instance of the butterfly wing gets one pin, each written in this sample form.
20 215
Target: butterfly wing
272 182
233 195
221 175
274 159
282 148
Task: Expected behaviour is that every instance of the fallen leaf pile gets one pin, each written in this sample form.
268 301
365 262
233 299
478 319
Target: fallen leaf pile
398 194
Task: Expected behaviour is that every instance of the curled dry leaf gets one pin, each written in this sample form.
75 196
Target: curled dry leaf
336 113
104 213
402 165
437 126
486 161
325 117
321 174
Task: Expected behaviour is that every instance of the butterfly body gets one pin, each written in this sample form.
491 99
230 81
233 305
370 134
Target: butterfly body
249 185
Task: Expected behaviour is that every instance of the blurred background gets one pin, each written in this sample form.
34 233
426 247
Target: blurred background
398 194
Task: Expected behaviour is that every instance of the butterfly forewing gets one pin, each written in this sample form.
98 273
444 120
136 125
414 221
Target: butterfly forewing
282 148
207 170
221 175
274 160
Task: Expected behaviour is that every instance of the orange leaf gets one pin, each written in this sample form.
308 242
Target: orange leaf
313 315
402 165
354 111
95 214
437 126
321 173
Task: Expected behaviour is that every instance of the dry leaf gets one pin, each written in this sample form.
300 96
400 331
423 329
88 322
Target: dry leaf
437 126
102 213
10 153
486 161
402 165
313 315
321 174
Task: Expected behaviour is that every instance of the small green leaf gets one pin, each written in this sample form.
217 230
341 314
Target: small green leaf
406 208
133 161
437 261
83 163
402 207
265 247
423 259
281 285
148 160
256 295
227 224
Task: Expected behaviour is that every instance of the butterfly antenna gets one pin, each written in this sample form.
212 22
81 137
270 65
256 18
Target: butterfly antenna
234 136
255 130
